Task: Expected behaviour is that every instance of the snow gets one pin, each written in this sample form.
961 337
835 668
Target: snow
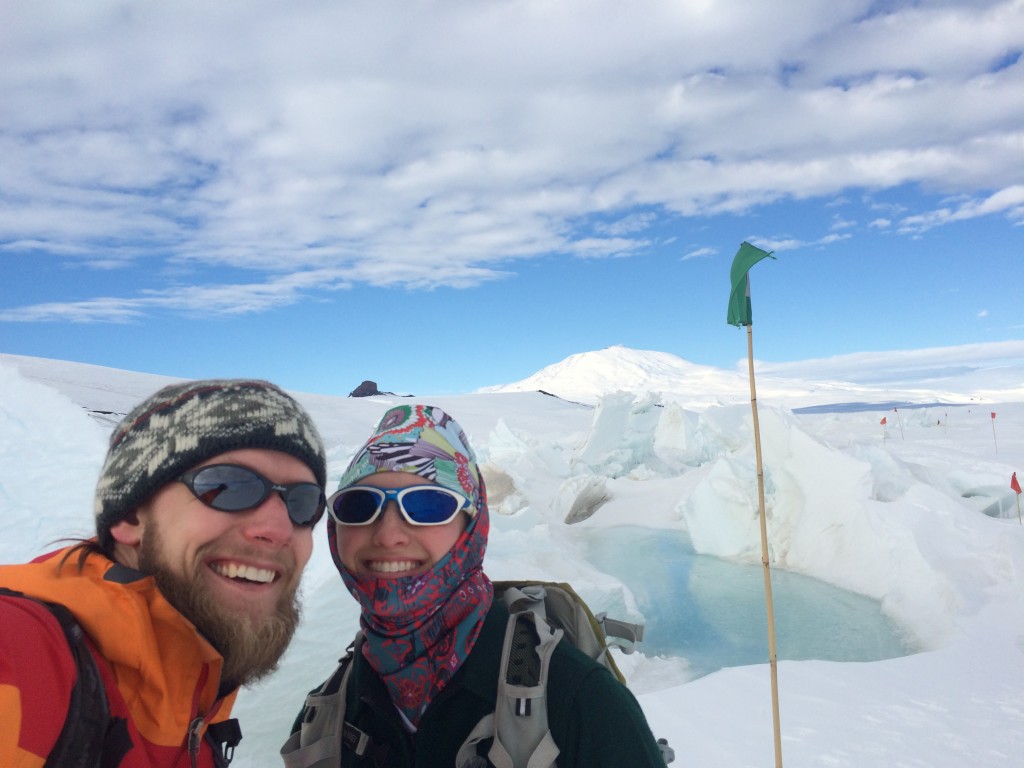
916 517
971 372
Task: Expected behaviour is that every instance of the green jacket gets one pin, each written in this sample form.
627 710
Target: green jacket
595 721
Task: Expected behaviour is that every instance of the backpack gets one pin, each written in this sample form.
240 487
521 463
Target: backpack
90 737
540 615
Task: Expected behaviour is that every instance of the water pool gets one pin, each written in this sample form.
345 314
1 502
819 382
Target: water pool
712 612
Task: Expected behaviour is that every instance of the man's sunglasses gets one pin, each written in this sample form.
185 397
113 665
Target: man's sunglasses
234 488
419 504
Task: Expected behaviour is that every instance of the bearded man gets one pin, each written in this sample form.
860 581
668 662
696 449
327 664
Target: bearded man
204 508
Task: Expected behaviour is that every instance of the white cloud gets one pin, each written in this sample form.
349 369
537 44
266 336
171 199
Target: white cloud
637 222
593 247
436 144
699 253
1009 201
792 244
894 366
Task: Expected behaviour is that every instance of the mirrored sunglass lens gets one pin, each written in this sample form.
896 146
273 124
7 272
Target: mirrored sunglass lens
355 506
425 505
304 504
230 489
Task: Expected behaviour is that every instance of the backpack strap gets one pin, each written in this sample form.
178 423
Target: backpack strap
82 739
564 609
320 730
316 741
223 737
519 724
623 634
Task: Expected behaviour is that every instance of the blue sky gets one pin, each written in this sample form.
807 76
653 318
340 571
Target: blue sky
441 196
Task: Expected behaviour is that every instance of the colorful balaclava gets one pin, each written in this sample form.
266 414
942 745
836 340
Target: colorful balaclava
420 629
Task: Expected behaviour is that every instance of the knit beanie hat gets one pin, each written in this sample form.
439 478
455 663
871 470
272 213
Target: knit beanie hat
185 424
423 440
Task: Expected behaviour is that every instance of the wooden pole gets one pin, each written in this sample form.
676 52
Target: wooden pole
772 661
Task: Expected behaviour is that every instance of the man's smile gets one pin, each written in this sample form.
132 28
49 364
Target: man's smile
244 572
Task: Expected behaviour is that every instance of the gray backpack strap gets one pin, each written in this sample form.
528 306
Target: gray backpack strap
321 731
519 724
540 615
317 742
467 756
623 634
563 608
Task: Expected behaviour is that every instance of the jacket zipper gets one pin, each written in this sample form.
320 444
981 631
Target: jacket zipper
194 740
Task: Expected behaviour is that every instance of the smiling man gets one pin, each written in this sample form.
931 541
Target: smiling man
204 510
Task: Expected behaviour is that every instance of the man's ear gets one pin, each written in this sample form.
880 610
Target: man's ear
127 536
128 531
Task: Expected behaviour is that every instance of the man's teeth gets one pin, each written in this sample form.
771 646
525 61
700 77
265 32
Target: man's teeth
247 572
393 566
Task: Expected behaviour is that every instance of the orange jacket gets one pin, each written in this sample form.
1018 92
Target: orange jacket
160 674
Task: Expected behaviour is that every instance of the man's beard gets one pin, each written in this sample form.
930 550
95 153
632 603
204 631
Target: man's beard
251 647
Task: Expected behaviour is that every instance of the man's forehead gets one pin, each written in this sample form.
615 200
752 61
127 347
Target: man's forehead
258 458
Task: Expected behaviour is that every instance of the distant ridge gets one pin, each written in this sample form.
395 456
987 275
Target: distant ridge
588 376
96 388
990 373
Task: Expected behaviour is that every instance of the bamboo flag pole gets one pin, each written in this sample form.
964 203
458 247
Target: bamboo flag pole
769 605
994 443
740 314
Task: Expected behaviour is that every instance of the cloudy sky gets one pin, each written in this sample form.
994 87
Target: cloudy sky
445 195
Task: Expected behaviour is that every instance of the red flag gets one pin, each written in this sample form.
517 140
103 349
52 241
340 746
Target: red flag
1014 484
993 414
882 422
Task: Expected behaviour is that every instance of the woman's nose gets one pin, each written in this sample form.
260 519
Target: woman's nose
391 528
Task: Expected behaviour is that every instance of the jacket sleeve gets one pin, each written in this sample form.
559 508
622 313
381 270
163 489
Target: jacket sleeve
37 673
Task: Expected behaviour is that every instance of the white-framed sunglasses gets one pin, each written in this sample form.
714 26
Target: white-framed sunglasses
418 504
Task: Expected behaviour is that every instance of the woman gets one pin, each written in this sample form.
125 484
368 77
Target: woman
409 532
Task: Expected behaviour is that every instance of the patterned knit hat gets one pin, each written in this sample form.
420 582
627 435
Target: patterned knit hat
423 440
185 424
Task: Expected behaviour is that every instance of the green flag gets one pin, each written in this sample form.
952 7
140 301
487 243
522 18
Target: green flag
739 300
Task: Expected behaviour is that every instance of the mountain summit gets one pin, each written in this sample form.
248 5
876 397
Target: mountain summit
588 376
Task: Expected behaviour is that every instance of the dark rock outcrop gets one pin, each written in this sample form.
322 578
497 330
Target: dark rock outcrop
366 389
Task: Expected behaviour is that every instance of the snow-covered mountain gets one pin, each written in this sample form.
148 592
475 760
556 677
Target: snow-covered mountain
589 376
